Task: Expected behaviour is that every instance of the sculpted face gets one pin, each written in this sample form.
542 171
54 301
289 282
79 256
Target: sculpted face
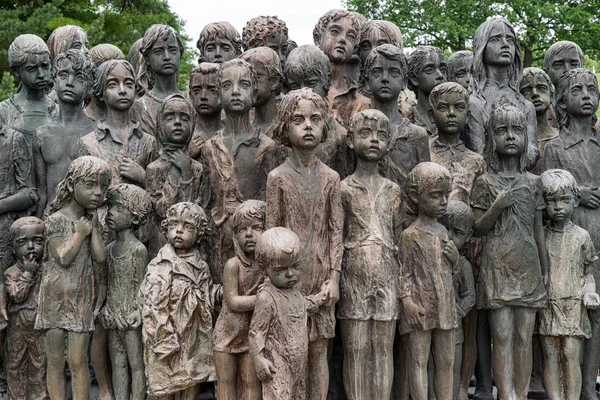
28 242
237 91
560 205
71 86
536 89
89 191
434 201
80 43
501 46
582 96
35 73
374 38
509 136
450 113
278 43
247 234
177 122
118 216
460 233
562 62
284 274
370 139
181 232
432 73
313 82
218 51
462 77
164 56
338 40
264 85
385 79
119 89
305 130
205 94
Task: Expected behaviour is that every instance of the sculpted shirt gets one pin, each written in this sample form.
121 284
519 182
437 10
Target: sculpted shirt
26 122
344 105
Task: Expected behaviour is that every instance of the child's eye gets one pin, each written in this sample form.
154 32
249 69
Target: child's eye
189 227
80 78
364 46
157 51
334 32
442 108
316 119
526 92
382 136
225 47
63 75
209 47
428 70
297 120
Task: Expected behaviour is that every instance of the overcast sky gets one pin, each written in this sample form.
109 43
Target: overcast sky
300 16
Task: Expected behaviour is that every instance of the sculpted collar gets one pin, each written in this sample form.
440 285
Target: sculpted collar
439 147
102 130
570 139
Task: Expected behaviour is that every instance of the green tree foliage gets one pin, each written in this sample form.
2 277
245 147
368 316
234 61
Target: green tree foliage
120 22
450 24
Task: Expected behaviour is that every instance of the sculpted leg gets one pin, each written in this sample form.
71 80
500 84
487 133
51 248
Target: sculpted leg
552 376
443 342
357 371
524 322
591 355
382 359
226 368
54 341
100 362
78 364
419 344
251 387
318 370
135 355
572 349
502 330
120 369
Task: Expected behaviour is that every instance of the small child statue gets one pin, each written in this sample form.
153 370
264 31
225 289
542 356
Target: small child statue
279 341
459 67
128 208
337 33
508 204
204 95
174 177
28 107
537 88
309 67
564 324
375 33
304 194
561 57
385 76
71 268
219 42
268 32
459 221
575 150
178 300
429 260
73 75
67 37
157 78
426 70
238 158
25 354
267 67
242 278
368 305
449 110
118 139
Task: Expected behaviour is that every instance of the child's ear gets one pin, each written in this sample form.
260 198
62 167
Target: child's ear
430 114
70 185
577 200
349 141
413 80
136 220
274 83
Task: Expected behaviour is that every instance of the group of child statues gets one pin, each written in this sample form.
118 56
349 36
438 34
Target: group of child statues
439 212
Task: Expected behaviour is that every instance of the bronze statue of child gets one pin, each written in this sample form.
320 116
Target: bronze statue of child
204 95
507 203
25 354
426 69
174 177
337 33
575 149
537 88
126 257
67 37
561 57
118 139
384 75
74 254
459 221
564 324
29 107
162 50
242 278
278 337
368 306
219 42
459 66
429 260
304 194
307 66
237 158
73 73
178 301
265 31
448 111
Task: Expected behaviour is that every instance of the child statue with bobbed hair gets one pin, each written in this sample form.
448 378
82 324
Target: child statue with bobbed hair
219 42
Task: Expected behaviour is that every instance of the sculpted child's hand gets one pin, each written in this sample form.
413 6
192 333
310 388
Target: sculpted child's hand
411 311
183 162
505 199
591 300
84 226
450 251
590 197
264 368
131 170
30 264
333 292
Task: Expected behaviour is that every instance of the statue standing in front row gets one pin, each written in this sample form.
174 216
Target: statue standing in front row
303 194
178 302
429 260
28 107
74 254
74 75
278 338
126 257
507 203
564 324
161 50
25 354
368 308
